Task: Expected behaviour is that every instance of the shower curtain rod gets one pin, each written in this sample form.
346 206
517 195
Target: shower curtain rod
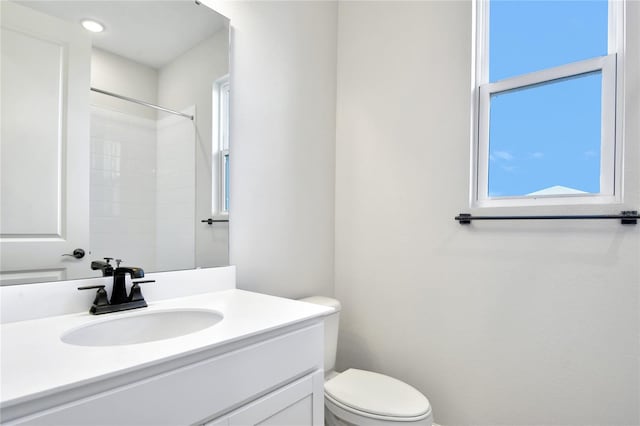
136 101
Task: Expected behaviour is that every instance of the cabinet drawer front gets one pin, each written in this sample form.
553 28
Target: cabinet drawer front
292 404
198 391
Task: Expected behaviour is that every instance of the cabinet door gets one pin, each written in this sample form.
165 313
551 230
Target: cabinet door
297 404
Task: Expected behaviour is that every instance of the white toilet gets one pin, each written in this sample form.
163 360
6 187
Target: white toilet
359 397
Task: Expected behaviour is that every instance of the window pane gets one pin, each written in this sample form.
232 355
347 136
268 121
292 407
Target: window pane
545 139
527 36
224 115
226 182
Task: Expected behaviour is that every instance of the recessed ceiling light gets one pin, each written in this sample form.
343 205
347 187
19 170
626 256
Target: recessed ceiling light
93 26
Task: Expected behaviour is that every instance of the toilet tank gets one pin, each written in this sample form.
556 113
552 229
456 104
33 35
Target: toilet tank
331 325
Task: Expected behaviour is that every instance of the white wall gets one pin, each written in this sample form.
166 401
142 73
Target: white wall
188 81
123 76
282 144
499 323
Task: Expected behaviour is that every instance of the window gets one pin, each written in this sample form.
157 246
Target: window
220 187
547 104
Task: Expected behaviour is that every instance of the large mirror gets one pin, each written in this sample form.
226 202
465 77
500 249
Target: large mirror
114 143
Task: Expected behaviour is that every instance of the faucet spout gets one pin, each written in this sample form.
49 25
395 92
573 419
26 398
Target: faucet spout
105 267
134 271
119 293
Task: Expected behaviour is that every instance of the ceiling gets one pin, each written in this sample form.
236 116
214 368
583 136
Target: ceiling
150 32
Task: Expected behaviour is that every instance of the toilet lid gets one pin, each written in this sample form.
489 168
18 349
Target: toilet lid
376 393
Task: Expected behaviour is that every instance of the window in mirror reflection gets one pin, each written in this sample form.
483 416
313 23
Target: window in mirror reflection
221 93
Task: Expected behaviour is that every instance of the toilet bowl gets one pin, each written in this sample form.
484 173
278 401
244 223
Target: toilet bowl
360 397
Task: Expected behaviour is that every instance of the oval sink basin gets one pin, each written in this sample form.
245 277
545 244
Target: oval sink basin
142 328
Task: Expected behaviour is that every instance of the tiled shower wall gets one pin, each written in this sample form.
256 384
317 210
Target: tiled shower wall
143 190
176 193
123 188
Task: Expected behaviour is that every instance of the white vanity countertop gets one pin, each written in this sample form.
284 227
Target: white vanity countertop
36 363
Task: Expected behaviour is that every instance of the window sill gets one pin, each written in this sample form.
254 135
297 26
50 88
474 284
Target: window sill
220 216
548 201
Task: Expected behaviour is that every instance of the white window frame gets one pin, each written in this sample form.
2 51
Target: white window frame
220 145
611 67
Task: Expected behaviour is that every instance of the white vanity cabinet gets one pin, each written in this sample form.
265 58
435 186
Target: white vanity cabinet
297 403
272 378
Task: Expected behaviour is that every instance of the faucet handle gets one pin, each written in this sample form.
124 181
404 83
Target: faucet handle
101 298
136 293
118 262
89 287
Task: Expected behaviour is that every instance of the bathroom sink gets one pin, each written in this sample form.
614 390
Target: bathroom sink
142 328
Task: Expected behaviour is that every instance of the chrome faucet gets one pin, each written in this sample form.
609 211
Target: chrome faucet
119 301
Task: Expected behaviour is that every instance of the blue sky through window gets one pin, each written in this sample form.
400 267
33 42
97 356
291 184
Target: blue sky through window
547 135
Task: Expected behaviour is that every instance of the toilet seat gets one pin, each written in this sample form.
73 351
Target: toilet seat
376 396
358 418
